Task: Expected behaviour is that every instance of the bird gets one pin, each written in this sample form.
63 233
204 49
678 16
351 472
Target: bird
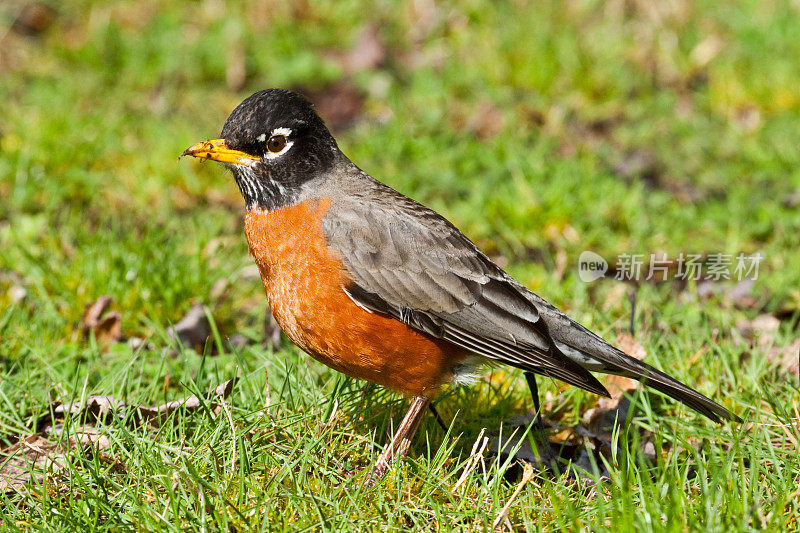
379 287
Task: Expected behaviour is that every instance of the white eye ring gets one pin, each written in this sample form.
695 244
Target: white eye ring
286 132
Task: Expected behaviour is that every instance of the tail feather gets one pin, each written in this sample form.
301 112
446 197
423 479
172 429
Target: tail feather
682 393
595 354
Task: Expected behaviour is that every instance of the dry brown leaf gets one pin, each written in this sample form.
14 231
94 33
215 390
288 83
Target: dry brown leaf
96 406
760 332
93 311
616 297
193 329
609 411
250 273
104 408
237 341
156 415
32 457
106 326
617 385
792 199
505 446
219 289
109 329
34 18
28 460
568 445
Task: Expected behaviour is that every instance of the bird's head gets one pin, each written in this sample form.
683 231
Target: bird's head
275 144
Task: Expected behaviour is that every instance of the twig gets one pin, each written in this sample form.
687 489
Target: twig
472 462
527 474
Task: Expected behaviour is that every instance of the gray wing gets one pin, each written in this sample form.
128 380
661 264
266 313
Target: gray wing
408 262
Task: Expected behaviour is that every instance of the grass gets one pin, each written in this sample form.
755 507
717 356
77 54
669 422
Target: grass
541 130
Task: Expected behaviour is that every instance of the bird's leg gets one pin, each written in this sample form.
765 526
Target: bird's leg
545 450
402 439
438 418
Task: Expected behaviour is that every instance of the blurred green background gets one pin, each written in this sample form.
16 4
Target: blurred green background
541 129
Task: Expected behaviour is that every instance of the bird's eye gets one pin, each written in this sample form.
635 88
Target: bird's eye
276 143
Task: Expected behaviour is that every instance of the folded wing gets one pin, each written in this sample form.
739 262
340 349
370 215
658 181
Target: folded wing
409 263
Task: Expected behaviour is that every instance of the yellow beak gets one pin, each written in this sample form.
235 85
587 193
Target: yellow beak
217 150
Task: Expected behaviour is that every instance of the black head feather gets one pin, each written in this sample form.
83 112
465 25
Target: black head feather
276 180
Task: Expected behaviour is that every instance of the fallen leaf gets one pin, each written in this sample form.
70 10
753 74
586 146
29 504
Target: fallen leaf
608 412
87 436
156 415
106 326
138 343
708 288
424 16
615 298
760 333
748 117
506 445
93 311
219 289
193 329
105 408
570 446
560 264
28 460
91 410
638 163
31 458
98 407
617 385
33 18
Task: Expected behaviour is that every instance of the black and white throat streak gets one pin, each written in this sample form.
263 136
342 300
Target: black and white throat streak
260 190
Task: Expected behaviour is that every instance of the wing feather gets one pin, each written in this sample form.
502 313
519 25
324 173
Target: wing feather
435 280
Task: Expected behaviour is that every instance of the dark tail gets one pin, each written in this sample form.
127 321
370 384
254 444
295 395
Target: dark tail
592 352
678 391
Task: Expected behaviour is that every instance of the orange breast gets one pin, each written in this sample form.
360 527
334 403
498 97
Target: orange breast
305 283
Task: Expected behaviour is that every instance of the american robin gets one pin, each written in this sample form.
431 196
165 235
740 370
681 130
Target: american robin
381 288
